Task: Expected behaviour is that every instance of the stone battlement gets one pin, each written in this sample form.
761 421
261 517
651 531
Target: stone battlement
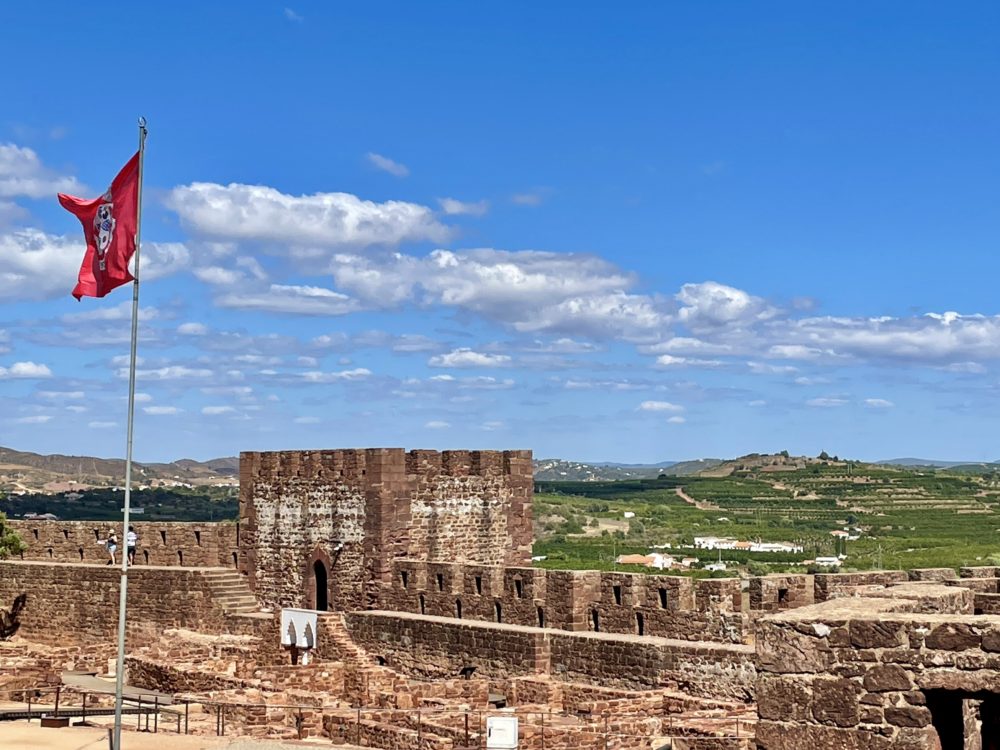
352 464
160 543
321 528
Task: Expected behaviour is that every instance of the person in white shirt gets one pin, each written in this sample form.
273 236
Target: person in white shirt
131 539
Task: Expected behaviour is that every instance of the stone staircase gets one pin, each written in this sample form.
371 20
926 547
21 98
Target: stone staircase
230 591
349 652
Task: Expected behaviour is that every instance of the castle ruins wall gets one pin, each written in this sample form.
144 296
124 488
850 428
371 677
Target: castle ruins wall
439 647
905 667
674 607
354 511
160 543
73 603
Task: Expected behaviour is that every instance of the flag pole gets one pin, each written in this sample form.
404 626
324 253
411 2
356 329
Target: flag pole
123 546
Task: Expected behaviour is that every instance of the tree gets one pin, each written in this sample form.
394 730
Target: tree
823 456
10 542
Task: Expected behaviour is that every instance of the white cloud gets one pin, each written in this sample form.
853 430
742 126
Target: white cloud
826 402
710 305
61 395
683 345
306 420
358 373
218 276
386 164
37 265
295 300
762 368
529 291
160 410
141 398
581 384
101 425
668 361
562 346
36 419
217 410
291 15
25 370
171 372
159 259
261 213
757 402
120 312
659 406
480 382
676 420
192 329
453 207
527 199
468 358
491 426
794 351
11 212
972 368
437 425
23 174
878 403
936 339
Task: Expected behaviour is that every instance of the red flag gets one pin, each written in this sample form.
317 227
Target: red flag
109 225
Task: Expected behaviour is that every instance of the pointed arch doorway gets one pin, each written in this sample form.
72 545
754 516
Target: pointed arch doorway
316 578
321 587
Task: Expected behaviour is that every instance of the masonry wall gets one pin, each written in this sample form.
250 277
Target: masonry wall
160 543
433 647
904 669
627 603
73 603
355 511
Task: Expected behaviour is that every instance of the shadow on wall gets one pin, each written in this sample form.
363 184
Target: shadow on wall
10 619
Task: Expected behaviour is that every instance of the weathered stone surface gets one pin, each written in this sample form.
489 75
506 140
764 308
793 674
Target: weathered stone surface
908 716
876 634
782 698
887 677
835 702
773 735
953 637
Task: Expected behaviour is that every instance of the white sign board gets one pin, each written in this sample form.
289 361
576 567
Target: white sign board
298 628
501 733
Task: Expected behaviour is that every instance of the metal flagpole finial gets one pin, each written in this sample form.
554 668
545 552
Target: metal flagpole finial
142 122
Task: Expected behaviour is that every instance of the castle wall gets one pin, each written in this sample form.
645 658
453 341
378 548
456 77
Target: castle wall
73 603
908 667
674 607
357 510
434 647
160 543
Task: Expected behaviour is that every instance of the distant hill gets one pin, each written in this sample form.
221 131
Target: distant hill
26 471
558 470
931 462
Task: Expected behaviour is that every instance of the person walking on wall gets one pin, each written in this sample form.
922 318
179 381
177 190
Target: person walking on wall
131 539
112 545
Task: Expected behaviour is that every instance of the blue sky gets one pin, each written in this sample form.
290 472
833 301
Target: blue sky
657 231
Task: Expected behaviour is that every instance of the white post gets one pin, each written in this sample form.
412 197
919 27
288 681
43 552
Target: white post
120 670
